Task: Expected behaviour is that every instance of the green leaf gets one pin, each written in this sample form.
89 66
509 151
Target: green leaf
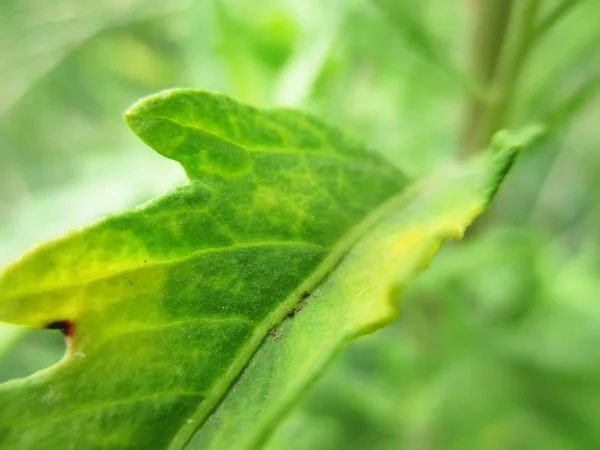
165 305
47 36
565 110
8 336
169 301
356 299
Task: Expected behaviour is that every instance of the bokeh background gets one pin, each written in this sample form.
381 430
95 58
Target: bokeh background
498 346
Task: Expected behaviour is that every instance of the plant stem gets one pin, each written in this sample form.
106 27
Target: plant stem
490 29
508 67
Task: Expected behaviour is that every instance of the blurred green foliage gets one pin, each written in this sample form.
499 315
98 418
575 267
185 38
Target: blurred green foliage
496 345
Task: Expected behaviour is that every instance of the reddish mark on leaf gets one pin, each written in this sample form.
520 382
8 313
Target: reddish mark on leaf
65 326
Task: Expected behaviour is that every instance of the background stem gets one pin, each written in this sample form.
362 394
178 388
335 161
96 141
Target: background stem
489 29
500 65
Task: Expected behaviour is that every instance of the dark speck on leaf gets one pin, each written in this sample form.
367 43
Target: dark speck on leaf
273 332
305 295
292 312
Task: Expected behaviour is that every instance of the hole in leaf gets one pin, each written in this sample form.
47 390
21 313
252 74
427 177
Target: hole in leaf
24 350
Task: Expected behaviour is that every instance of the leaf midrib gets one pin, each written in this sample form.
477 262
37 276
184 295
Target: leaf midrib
214 395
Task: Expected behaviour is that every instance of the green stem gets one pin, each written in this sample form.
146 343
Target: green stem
514 51
491 21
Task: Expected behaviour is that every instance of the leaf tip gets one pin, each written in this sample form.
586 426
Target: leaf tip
149 108
505 147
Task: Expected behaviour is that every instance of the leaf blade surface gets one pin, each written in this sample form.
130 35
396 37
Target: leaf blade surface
355 299
166 303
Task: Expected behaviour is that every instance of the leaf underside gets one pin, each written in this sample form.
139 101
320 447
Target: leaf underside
165 305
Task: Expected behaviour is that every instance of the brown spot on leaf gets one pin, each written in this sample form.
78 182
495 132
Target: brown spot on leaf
65 326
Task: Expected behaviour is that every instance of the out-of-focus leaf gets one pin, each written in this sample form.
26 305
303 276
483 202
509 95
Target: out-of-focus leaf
559 63
562 114
25 350
417 35
35 36
9 334
559 11
306 63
